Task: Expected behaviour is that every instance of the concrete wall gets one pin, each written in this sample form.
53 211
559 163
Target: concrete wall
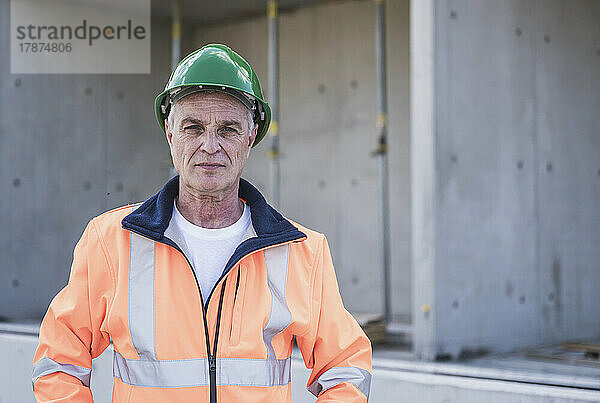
327 130
516 183
71 147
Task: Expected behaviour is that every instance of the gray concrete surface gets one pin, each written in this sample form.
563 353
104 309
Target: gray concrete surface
395 380
71 147
423 179
515 186
328 107
210 12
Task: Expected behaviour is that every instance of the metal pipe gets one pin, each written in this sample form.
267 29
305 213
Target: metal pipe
175 33
381 151
175 47
272 11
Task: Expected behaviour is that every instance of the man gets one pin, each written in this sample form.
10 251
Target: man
203 288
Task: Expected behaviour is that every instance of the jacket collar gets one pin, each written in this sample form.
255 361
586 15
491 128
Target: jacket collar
152 218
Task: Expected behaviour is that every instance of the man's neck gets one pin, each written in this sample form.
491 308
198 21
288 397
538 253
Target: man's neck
209 211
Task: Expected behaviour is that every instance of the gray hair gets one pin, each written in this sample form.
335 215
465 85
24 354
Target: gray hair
250 114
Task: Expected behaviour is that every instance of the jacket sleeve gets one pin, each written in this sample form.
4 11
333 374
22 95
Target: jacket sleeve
71 333
334 346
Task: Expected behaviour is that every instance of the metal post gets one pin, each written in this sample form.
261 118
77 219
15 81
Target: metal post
175 46
274 99
175 33
381 151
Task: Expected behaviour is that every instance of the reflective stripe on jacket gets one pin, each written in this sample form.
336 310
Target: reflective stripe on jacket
132 284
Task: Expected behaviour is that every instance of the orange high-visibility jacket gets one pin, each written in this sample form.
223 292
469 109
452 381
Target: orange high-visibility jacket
132 284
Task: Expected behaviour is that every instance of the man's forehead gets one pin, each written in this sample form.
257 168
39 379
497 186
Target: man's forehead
211 102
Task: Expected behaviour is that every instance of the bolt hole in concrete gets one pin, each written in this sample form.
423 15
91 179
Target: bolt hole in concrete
88 91
549 167
453 14
522 299
455 304
509 288
120 95
321 183
119 187
454 158
547 38
18 82
520 164
518 31
15 283
321 88
551 297
354 84
16 182
354 181
354 280
87 185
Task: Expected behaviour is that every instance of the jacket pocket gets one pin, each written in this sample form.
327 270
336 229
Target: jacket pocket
238 305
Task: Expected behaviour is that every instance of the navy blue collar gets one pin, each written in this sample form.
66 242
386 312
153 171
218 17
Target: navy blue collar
152 218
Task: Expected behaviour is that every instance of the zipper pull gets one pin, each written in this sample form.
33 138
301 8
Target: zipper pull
212 363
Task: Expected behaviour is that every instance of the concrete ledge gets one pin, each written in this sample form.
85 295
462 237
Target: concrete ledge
540 376
394 380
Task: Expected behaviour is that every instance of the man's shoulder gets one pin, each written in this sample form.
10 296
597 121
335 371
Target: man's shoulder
112 218
310 234
314 241
309 254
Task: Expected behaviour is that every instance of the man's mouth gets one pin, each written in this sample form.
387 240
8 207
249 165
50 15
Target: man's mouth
210 165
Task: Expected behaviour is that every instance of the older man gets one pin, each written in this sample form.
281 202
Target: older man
203 288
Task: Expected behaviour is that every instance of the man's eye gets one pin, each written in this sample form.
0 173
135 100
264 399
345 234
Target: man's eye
193 127
228 130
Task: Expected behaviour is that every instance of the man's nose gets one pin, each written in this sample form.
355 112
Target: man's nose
210 142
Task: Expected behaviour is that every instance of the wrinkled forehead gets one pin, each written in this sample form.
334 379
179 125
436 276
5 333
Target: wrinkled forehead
211 101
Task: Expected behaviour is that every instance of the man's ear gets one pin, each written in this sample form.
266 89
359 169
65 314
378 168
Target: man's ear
168 133
253 133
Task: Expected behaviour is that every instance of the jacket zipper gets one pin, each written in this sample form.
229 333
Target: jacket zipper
237 285
212 358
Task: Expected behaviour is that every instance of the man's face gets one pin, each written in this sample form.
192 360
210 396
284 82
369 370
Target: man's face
210 141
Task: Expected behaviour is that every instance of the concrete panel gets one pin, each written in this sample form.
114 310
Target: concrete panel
568 140
327 131
517 186
486 227
71 147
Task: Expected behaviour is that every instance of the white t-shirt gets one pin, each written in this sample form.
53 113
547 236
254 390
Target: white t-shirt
210 249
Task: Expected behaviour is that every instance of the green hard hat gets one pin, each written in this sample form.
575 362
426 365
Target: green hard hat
215 67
